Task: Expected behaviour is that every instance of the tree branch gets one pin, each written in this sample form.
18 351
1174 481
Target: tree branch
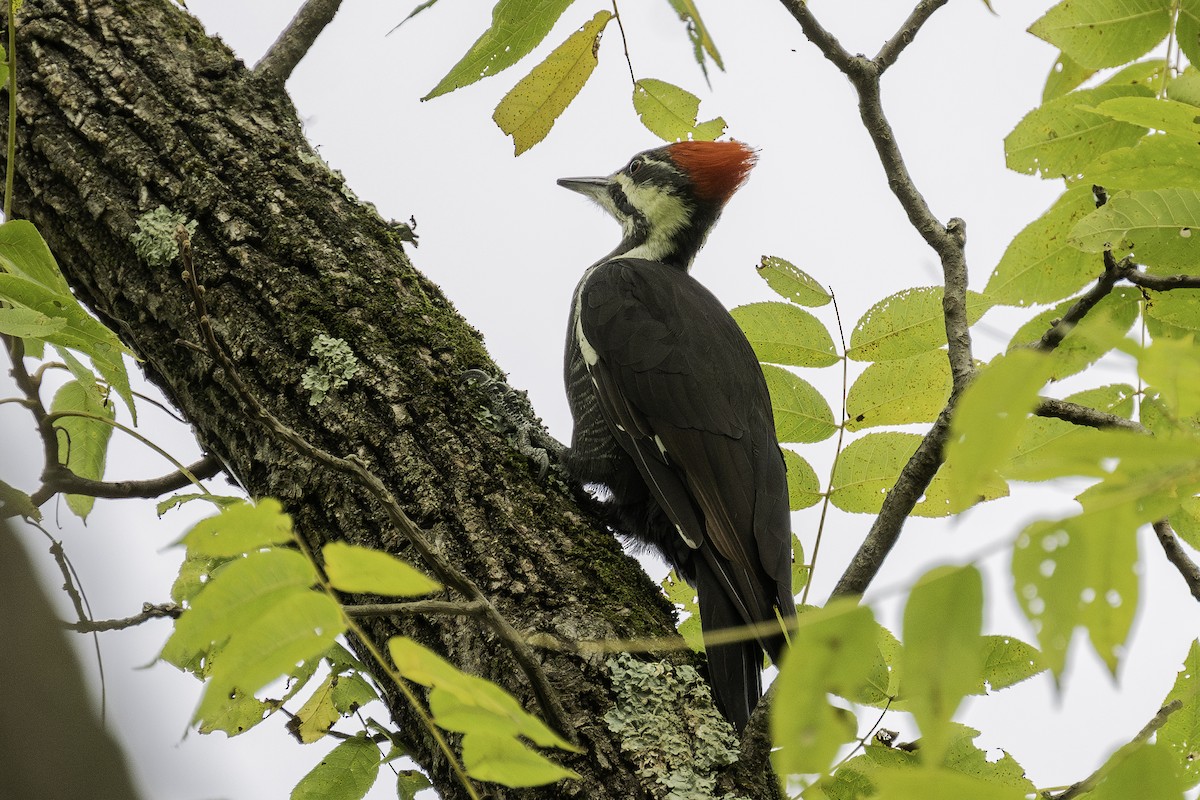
893 47
1092 781
149 611
1161 283
1176 555
417 607
948 241
57 479
1058 330
1084 415
297 38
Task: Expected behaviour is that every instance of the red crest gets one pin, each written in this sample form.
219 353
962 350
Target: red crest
717 169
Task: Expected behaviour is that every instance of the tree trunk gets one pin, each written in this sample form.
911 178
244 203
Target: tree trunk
126 106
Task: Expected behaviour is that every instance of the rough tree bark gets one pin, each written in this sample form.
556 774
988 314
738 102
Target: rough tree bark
125 106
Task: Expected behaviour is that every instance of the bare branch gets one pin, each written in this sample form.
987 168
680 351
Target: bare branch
1083 415
893 47
149 611
1104 285
1162 283
825 41
1090 782
417 607
59 479
297 38
1175 554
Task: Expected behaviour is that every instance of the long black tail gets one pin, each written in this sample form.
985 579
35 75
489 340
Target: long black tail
735 669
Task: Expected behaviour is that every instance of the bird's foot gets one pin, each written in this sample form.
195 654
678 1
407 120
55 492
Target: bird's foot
508 412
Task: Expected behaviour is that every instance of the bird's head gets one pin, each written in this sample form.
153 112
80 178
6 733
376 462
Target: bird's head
668 198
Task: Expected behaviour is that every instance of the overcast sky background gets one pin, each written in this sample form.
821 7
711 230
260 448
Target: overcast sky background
507 246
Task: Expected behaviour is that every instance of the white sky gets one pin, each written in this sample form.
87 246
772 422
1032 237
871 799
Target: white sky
507 245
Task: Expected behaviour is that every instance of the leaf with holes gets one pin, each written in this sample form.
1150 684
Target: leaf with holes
1104 33
517 27
1181 733
1065 75
906 324
1069 574
899 392
82 440
529 110
868 468
1159 227
1040 265
1061 137
792 283
702 42
671 113
804 487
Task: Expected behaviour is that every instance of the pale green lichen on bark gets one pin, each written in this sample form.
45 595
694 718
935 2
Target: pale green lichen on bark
666 720
154 241
336 365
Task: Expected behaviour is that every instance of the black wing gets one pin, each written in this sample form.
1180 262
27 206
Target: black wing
682 391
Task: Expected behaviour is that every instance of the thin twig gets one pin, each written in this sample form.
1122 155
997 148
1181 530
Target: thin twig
354 467
624 42
1092 781
149 611
297 38
1103 286
893 47
58 479
1162 283
1176 555
417 608
1084 415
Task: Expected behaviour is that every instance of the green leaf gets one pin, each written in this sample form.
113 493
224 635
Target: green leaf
988 421
702 42
1104 33
1007 662
82 441
28 324
529 110
409 782
1144 771
300 626
1115 313
832 652
14 502
942 656
906 324
941 500
1065 75
939 783
1180 736
1040 265
347 773
1172 368
361 570
1187 30
1160 227
1155 162
964 757
1186 521
792 283
804 487
899 392
233 598
494 708
781 333
1168 116
801 413
517 27
317 715
504 760
1071 573
239 529
867 469
671 113
34 281
683 595
801 569
1061 137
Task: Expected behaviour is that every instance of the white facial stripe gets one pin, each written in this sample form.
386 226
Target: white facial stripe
664 211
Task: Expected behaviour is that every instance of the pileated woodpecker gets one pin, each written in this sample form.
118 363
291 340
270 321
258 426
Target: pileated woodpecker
672 416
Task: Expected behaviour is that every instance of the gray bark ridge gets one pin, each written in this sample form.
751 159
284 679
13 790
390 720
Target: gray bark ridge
128 106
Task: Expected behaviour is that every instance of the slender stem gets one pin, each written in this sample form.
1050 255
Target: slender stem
893 47
10 164
1092 781
624 42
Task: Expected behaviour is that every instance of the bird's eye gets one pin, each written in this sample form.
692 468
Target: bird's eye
635 166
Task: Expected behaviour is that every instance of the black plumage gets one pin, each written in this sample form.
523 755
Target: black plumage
672 415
